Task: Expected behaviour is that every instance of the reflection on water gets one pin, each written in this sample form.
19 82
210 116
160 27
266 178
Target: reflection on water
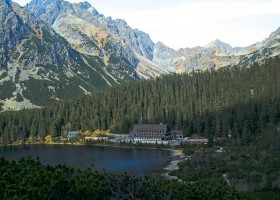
139 162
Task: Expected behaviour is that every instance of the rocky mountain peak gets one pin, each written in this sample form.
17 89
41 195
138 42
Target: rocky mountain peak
219 45
159 44
167 58
121 23
50 12
46 10
46 2
217 42
85 5
134 38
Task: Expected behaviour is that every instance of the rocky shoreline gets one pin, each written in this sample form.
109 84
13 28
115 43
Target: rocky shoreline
178 156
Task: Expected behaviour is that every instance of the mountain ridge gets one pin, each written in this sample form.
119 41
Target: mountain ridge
53 50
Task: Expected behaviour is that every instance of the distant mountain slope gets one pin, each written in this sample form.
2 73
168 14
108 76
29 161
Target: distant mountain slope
53 50
91 33
218 54
148 58
39 66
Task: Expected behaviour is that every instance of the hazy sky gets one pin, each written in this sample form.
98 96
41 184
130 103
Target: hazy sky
189 23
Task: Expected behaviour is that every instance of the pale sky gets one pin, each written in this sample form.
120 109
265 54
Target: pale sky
190 23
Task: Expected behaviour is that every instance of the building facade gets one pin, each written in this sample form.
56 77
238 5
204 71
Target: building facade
72 134
150 132
176 134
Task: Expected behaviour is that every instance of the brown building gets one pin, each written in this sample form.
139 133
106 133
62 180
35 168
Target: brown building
150 132
177 134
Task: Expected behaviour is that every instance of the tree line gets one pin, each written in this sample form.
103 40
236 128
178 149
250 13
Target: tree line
230 102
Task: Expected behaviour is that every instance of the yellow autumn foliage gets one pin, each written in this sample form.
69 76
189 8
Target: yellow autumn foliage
29 140
48 139
97 131
86 133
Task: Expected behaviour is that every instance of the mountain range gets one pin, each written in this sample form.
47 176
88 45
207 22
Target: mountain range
52 50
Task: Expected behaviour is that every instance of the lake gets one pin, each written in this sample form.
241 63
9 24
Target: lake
139 162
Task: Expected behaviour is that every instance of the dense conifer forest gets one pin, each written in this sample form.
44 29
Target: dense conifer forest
232 101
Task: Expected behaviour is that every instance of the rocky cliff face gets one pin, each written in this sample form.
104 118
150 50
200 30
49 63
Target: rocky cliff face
52 50
168 58
68 20
38 66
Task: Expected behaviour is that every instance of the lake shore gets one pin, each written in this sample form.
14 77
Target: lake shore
97 145
177 155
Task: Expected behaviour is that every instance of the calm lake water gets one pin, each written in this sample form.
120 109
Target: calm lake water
138 162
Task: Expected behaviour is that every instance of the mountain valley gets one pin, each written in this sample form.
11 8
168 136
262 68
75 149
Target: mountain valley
52 50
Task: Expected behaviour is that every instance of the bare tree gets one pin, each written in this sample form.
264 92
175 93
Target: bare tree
125 187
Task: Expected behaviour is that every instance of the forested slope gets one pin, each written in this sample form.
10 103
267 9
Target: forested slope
237 101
